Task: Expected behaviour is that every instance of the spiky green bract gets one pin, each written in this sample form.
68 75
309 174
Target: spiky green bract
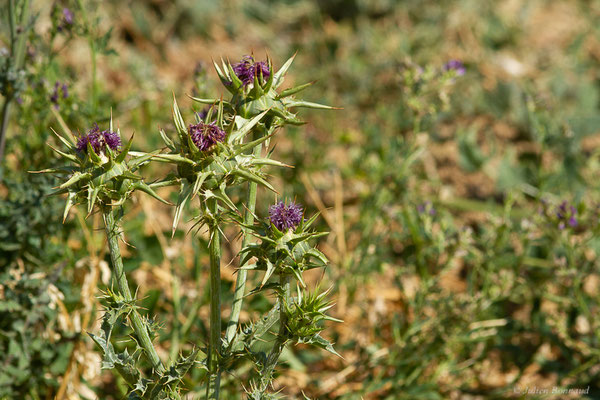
162 384
287 253
305 315
262 95
99 179
255 393
208 174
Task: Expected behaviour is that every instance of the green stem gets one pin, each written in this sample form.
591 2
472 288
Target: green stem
282 337
92 44
5 116
17 42
214 345
112 234
240 282
175 334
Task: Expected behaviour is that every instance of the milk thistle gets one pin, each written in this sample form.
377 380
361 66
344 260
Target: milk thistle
455 65
220 150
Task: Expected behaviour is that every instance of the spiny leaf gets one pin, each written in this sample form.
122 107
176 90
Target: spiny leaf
70 203
254 178
184 195
209 101
69 157
167 140
236 82
179 122
121 157
278 78
148 190
76 177
92 195
294 90
269 272
308 104
243 131
92 153
199 181
66 142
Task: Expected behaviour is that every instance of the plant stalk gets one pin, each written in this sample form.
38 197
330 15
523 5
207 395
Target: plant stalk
112 234
240 282
92 45
282 336
17 43
214 345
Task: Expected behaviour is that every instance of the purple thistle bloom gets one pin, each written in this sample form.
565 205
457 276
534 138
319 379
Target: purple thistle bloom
112 139
60 91
205 136
68 16
421 208
285 217
566 215
455 65
98 140
247 69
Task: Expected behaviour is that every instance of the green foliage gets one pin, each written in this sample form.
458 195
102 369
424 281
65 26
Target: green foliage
32 355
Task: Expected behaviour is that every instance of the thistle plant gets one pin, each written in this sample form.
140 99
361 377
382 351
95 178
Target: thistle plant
427 90
102 176
222 148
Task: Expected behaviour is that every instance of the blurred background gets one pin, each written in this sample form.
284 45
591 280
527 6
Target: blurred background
462 208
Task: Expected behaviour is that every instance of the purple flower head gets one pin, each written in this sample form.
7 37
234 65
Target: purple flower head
427 206
566 214
60 91
205 136
247 69
98 140
112 139
285 217
455 65
67 16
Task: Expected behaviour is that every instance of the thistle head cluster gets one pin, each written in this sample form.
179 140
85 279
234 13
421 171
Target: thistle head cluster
284 251
255 85
305 315
212 156
564 215
98 173
426 90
